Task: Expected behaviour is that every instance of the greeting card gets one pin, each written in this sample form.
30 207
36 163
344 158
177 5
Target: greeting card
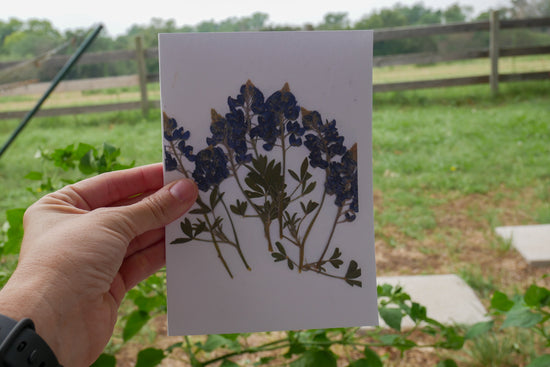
275 129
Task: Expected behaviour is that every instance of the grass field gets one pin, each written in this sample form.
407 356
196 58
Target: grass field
449 165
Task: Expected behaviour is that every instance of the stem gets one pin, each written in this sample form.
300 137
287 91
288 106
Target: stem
237 179
214 241
329 237
192 357
282 192
217 246
308 231
238 245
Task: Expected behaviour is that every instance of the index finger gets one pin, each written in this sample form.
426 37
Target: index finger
111 187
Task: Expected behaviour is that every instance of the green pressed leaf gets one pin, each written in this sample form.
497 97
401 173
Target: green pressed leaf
135 322
336 263
294 175
186 227
200 211
353 270
214 197
280 247
105 360
315 358
290 264
447 363
178 241
14 234
303 168
354 282
150 357
522 317
309 188
540 361
336 254
253 194
392 317
478 329
278 256
501 302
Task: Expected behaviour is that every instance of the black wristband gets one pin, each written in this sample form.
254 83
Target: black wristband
21 346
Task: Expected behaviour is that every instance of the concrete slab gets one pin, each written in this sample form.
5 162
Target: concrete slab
532 242
447 298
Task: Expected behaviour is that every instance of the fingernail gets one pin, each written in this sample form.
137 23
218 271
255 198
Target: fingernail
184 190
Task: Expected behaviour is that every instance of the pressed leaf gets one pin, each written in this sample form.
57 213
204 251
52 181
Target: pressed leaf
310 188
303 168
294 175
336 254
336 263
181 240
290 264
214 197
353 270
253 194
280 247
186 227
278 256
200 211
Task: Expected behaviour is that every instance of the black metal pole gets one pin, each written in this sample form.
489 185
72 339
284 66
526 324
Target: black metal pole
60 75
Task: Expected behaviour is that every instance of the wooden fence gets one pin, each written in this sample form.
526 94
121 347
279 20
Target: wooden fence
493 53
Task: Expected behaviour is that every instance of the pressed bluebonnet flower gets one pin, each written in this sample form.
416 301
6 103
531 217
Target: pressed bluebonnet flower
231 131
342 182
296 131
177 136
281 106
250 97
210 167
170 163
324 143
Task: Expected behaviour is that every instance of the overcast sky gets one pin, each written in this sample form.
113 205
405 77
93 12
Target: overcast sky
119 15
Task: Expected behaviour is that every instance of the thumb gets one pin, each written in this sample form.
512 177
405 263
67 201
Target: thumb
161 208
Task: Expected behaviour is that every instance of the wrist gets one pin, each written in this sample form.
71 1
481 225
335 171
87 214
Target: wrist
28 299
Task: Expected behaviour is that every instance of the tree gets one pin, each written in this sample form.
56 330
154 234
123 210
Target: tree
333 21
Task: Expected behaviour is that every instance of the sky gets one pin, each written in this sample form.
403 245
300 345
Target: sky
119 15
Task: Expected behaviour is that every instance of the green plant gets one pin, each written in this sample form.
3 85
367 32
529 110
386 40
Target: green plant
529 311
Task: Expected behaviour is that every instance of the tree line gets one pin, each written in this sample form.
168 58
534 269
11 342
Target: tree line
28 39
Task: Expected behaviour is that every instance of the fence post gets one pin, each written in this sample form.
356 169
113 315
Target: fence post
142 72
494 51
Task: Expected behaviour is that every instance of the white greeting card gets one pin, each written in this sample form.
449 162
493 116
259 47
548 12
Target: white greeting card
275 128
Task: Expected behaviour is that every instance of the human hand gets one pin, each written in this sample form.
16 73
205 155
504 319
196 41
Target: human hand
84 247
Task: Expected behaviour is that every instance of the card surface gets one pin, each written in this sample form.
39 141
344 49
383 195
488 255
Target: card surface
275 128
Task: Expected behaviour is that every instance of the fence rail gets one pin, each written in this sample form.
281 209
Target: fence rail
493 53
